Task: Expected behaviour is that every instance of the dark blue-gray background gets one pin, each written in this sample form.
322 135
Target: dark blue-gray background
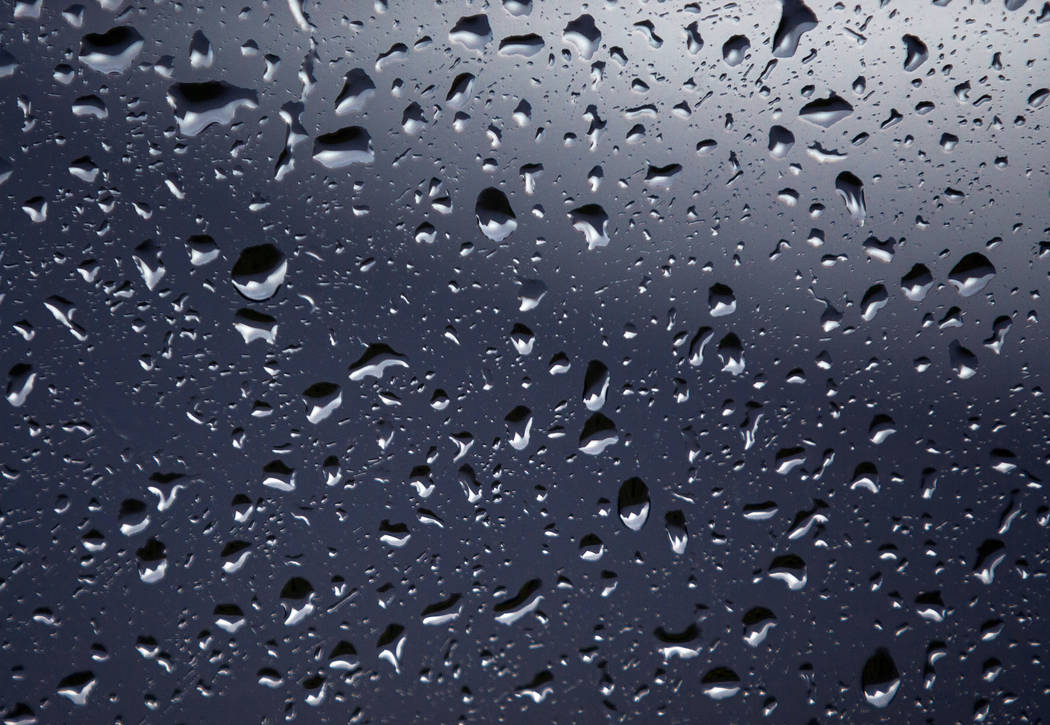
160 382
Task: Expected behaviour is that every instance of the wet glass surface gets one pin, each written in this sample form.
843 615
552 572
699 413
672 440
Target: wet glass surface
524 361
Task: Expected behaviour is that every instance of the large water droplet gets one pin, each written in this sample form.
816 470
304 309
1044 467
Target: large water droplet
880 679
259 271
494 214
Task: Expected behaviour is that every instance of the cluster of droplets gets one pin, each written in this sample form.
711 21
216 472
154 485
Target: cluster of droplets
501 369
